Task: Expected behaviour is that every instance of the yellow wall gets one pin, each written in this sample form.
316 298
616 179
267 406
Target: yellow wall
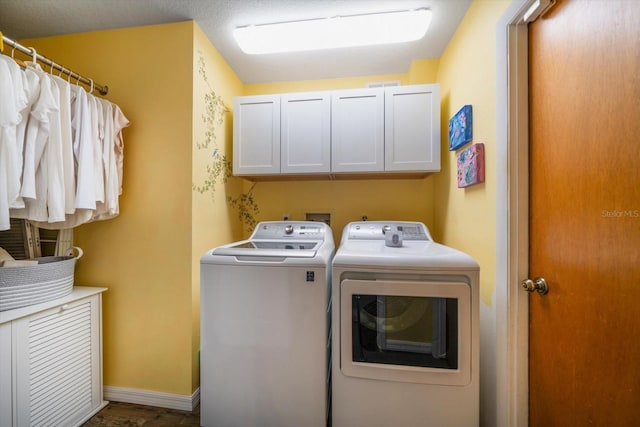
213 223
346 201
421 72
148 257
465 218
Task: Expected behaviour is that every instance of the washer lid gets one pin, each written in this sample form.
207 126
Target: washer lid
270 248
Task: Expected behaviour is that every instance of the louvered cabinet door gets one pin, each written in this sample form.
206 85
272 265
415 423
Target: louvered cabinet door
6 403
58 364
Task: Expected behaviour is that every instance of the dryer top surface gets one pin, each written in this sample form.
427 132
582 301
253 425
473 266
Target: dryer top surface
364 244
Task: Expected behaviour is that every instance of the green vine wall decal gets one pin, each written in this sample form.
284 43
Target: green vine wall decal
247 208
219 169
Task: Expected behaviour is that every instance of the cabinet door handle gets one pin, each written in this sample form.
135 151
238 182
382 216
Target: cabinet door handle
65 307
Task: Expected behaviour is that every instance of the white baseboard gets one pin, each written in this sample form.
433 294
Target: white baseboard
152 398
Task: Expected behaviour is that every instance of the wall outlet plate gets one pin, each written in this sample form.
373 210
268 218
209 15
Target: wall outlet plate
319 217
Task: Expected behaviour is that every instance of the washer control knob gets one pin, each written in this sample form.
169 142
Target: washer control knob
288 229
385 229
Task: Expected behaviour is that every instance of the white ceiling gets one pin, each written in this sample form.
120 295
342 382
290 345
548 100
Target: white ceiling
21 19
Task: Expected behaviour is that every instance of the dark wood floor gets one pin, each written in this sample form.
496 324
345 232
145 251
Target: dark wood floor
119 414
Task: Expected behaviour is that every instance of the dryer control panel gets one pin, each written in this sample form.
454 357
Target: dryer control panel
377 230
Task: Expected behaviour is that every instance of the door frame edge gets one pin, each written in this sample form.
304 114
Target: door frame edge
512 213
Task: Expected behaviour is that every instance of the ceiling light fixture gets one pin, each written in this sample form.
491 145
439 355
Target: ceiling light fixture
335 32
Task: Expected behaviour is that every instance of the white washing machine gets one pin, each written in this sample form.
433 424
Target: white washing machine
264 329
405 329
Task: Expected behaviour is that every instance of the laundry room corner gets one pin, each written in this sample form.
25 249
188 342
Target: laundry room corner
213 222
465 217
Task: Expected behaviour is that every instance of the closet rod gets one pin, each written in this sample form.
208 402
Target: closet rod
30 51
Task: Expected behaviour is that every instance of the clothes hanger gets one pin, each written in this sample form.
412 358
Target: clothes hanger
91 91
20 62
34 55
65 71
1 42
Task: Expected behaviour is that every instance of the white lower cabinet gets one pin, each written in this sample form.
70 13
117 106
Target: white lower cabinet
54 356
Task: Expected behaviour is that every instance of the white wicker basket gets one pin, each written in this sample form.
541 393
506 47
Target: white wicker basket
51 278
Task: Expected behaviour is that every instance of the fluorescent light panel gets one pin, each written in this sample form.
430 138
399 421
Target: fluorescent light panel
336 32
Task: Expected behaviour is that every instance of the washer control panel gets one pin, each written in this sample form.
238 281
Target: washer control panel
377 230
304 230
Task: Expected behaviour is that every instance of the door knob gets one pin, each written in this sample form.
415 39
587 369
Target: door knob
538 284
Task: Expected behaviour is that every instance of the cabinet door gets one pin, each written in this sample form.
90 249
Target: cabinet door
58 375
306 132
357 130
6 403
412 128
256 135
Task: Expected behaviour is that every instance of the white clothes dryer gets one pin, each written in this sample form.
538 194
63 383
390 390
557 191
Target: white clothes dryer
405 329
265 328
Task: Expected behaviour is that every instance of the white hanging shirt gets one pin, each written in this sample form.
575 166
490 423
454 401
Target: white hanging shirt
53 206
82 149
37 135
31 86
43 178
68 163
108 209
119 122
14 100
95 109
112 157
9 117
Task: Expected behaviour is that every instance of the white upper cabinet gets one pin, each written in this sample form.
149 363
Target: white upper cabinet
256 135
357 130
305 143
373 130
412 128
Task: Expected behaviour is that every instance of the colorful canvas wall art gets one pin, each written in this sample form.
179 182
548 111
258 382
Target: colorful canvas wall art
461 128
471 166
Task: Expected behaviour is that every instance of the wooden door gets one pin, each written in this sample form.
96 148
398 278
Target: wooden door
584 65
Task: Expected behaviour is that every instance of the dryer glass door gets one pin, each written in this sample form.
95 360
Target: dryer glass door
405 330
408 331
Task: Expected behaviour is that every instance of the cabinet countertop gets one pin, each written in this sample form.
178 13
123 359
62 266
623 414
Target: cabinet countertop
77 293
